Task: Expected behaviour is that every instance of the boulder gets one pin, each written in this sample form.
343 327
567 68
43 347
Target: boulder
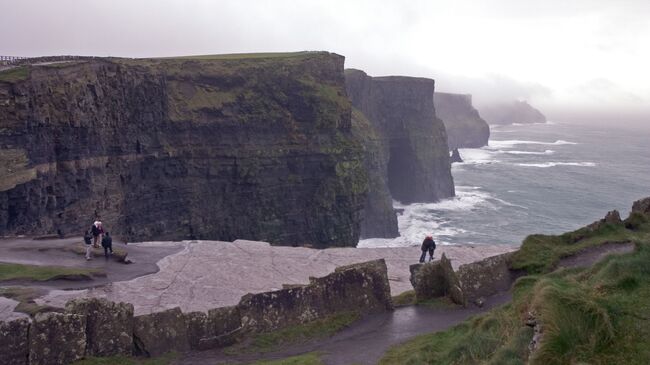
486 277
109 325
14 342
642 206
57 338
157 333
436 279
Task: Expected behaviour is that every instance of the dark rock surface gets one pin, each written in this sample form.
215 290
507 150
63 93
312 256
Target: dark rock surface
455 156
157 333
14 342
485 277
213 148
465 127
508 113
379 217
109 326
413 141
57 339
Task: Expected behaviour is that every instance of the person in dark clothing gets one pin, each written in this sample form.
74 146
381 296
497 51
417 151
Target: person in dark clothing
107 243
428 245
89 244
95 231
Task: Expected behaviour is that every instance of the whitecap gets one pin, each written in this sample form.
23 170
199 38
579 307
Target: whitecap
499 144
476 156
553 164
546 152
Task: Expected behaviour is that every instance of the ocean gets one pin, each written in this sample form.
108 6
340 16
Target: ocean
545 178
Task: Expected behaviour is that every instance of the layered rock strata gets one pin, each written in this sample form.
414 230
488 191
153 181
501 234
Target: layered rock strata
253 146
413 142
465 127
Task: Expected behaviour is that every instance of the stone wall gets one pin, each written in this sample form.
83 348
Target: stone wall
96 327
469 284
166 149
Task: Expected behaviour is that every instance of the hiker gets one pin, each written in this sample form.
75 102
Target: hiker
89 244
428 245
107 243
95 231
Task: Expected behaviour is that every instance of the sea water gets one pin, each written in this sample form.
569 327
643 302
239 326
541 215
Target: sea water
533 178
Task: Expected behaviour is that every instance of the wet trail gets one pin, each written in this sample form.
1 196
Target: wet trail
366 341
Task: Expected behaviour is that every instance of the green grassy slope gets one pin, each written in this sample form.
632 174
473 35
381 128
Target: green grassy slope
598 315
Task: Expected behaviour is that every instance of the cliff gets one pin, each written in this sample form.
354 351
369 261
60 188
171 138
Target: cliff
414 142
465 127
221 147
515 112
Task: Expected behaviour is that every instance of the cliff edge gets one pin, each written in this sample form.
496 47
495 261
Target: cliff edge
465 127
216 147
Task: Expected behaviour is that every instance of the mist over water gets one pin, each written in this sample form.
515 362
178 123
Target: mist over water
541 178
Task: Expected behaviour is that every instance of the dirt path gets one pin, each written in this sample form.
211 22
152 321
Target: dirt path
367 340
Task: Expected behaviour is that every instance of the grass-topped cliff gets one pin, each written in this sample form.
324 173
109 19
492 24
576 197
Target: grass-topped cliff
594 315
252 146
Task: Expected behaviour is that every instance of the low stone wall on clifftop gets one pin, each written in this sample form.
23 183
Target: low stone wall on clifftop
97 327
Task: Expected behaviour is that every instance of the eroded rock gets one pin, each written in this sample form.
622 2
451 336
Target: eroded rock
57 338
362 288
642 206
436 279
109 325
485 277
157 333
14 342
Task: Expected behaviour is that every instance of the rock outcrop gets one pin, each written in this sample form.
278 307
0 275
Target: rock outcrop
14 342
57 339
413 142
210 147
465 127
469 284
109 326
509 113
455 156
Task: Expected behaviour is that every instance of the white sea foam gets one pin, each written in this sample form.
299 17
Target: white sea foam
421 218
553 164
500 144
477 156
547 152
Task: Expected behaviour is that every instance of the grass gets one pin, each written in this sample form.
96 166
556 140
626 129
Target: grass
15 74
42 273
247 56
306 359
25 297
405 299
540 253
128 360
270 341
597 315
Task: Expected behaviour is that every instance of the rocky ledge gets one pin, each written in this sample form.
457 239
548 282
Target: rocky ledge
217 147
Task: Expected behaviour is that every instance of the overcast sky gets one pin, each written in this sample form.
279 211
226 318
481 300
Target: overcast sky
562 55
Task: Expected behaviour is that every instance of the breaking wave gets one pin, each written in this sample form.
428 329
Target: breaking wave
498 144
553 164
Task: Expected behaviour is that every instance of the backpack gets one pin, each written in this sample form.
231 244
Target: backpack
95 230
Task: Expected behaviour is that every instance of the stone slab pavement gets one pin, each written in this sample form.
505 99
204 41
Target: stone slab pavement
211 274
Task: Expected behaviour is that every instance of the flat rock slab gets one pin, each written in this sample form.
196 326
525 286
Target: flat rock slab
211 274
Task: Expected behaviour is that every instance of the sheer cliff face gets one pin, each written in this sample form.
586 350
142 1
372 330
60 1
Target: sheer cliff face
255 148
515 112
400 110
465 128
